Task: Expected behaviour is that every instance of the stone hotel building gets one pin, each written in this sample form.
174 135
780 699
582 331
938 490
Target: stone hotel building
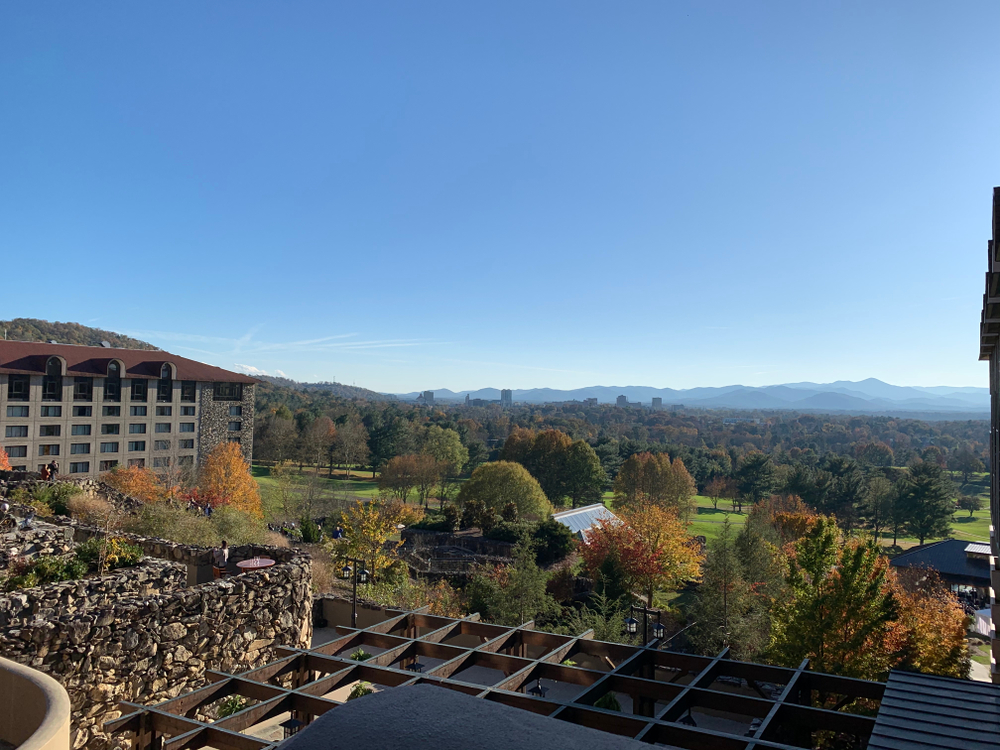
91 408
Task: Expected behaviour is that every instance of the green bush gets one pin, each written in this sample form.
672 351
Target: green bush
361 655
553 542
609 702
360 689
311 533
56 496
231 705
507 532
164 521
236 527
44 570
438 521
120 553
452 517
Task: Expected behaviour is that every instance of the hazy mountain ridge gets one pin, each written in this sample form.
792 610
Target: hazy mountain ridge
336 389
866 396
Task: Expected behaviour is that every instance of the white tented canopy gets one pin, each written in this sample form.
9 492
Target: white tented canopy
982 625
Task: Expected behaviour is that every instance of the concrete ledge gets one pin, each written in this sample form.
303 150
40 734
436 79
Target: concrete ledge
34 709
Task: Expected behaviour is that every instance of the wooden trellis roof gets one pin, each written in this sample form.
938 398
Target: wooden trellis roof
667 697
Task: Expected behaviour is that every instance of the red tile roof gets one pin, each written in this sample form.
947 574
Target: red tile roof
29 358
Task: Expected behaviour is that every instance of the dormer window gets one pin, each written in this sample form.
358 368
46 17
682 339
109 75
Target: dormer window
165 388
113 383
52 380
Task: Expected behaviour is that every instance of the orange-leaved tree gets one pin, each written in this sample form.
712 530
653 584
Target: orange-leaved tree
934 625
4 462
226 475
652 547
654 478
136 482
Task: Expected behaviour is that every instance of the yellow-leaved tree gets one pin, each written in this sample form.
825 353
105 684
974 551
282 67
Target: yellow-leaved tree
226 475
368 526
136 482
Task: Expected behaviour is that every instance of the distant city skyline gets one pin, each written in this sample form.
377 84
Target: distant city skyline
559 195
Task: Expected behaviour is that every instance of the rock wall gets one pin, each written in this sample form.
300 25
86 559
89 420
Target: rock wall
214 419
147 648
41 539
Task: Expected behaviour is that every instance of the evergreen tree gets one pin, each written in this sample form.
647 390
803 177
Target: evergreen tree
755 477
925 502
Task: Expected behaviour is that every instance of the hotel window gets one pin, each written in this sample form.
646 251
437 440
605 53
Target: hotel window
161 445
161 462
137 463
185 460
111 429
18 387
187 427
162 427
186 411
48 450
112 411
18 411
17 451
137 429
236 411
80 429
139 389
51 411
83 389
235 426
164 411
49 430
52 380
83 411
109 447
78 449
79 467
108 465
16 430
137 445
185 444
189 390
227 391
234 438
137 411
113 383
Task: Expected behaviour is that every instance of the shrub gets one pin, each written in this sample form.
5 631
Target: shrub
360 689
609 702
507 532
509 513
553 542
91 510
238 527
164 521
311 533
361 655
56 496
452 517
25 574
119 553
472 513
231 705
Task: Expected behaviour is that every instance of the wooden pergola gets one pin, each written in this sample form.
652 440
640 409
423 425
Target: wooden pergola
666 697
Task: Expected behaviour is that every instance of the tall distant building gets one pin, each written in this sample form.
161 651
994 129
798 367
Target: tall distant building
590 402
622 401
427 397
506 398
657 404
989 332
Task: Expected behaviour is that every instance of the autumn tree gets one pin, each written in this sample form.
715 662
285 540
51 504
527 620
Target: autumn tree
934 625
966 462
399 476
840 609
654 478
274 436
513 594
318 441
368 526
755 478
350 446
137 482
518 445
925 501
427 474
4 461
874 454
718 488
226 474
651 545
501 482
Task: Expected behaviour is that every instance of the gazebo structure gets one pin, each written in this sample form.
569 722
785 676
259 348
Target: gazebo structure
636 692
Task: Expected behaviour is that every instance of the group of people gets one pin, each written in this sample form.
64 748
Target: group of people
50 471
201 510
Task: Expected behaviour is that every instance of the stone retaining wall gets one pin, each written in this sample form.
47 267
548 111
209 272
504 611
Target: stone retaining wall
147 648
41 539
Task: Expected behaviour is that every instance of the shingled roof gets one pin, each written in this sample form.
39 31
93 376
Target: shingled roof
29 358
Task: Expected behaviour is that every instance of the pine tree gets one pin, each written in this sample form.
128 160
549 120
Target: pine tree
926 502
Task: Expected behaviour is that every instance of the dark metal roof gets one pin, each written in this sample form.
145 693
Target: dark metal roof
924 712
426 717
29 358
948 558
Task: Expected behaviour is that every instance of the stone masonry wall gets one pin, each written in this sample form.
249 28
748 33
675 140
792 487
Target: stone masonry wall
41 539
147 648
214 420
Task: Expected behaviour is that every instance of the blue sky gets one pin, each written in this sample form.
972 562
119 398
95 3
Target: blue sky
426 195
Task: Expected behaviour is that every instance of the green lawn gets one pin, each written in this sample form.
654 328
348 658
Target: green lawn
361 486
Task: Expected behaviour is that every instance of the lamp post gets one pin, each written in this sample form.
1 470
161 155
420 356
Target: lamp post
360 575
632 625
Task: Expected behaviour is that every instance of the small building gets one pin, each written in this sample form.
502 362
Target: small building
657 403
427 397
590 402
965 566
581 520
622 402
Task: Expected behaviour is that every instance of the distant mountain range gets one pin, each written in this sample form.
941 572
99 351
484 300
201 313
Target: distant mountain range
337 389
869 396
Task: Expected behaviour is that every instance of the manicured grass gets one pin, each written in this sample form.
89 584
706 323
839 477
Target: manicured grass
363 486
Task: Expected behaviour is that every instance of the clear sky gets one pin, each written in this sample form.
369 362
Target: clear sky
458 195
